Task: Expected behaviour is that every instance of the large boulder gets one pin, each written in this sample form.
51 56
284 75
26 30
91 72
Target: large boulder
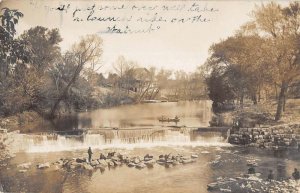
24 165
120 156
169 161
185 158
43 166
110 163
131 164
73 165
117 163
87 167
126 159
140 165
94 163
102 156
148 157
59 162
110 155
161 161
115 158
101 167
103 163
150 162
186 161
80 160
136 160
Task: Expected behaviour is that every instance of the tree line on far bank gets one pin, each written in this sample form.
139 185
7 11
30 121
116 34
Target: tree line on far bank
36 75
262 60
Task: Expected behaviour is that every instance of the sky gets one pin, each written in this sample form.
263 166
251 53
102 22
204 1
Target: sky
174 46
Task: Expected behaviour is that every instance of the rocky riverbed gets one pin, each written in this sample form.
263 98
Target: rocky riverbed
279 136
113 159
253 183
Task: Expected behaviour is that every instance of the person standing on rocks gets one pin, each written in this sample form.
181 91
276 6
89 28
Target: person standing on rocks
296 174
90 154
271 176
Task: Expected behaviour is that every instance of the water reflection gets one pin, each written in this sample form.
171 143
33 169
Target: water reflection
191 114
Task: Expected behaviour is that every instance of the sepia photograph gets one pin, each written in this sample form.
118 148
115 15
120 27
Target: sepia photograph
149 96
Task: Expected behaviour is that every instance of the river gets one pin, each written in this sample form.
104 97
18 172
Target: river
139 133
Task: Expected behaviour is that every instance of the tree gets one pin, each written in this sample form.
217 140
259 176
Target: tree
240 60
44 46
280 27
219 88
11 49
124 69
13 52
9 19
88 50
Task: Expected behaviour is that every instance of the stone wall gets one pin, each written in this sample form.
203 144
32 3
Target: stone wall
286 135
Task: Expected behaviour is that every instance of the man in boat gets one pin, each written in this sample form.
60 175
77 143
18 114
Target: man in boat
90 154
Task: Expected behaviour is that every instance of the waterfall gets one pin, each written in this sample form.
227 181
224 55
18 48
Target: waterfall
101 139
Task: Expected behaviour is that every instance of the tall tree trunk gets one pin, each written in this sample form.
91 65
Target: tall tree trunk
259 94
242 100
266 95
281 99
254 99
144 92
284 102
155 94
151 95
65 92
276 93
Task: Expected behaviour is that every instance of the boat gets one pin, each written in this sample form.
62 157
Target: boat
164 119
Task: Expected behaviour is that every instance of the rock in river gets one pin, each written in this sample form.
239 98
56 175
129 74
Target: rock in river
94 163
103 162
186 161
148 157
81 160
131 164
43 166
140 166
25 165
150 163
87 167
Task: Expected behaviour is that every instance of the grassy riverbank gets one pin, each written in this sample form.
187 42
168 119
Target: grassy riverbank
261 114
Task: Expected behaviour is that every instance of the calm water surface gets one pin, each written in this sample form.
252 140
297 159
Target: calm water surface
191 114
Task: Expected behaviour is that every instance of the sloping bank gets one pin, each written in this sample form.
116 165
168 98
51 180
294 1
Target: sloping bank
6 149
278 136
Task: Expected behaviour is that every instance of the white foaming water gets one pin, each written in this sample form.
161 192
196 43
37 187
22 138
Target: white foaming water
115 139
